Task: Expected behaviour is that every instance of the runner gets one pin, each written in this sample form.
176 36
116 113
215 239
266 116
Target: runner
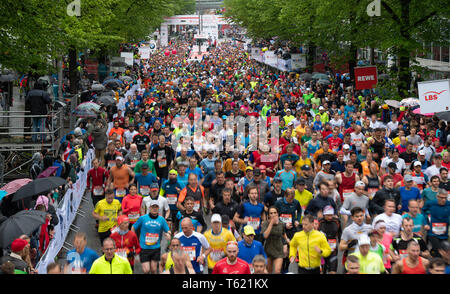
131 205
231 264
331 227
106 212
195 191
110 262
251 213
81 258
355 199
98 175
392 220
127 243
144 179
164 209
370 263
412 263
151 227
120 177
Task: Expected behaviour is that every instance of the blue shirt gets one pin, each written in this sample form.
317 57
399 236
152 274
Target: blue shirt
439 216
83 260
287 177
170 189
254 212
248 252
147 180
418 221
192 245
151 231
196 171
183 181
413 194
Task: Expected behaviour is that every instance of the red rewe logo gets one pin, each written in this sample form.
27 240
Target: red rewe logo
432 95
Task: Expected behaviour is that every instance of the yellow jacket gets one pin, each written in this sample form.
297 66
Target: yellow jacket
118 265
304 244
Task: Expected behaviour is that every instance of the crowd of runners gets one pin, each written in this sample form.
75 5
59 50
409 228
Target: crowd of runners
339 178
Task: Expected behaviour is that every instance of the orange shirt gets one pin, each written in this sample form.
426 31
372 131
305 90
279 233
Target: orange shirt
119 133
121 177
365 168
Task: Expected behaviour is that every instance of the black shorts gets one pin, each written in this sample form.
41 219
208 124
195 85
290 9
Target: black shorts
331 263
148 255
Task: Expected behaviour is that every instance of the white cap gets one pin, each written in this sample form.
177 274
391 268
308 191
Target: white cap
417 163
421 152
216 218
326 162
360 184
328 210
119 158
364 240
346 146
321 108
153 202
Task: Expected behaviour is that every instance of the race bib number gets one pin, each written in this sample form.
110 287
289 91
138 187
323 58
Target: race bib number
197 206
303 209
286 218
151 239
172 199
216 254
162 163
448 195
254 222
133 217
121 192
145 190
439 228
190 251
332 243
347 193
98 191
122 252
403 253
372 192
133 162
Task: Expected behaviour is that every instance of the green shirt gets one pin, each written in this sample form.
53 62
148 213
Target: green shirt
307 97
370 264
428 194
151 167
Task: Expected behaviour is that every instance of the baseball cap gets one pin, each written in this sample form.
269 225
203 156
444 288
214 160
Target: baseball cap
417 163
321 108
119 158
326 162
328 210
277 179
18 245
210 151
364 240
421 152
437 155
257 172
144 166
392 165
248 230
262 167
300 182
248 168
153 203
360 184
306 167
216 218
408 178
122 218
154 186
346 146
340 153
172 171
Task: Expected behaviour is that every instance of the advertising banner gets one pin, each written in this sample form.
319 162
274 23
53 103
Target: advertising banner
434 96
365 77
128 57
298 61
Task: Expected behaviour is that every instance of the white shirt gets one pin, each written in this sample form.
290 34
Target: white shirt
401 165
393 222
392 125
163 205
357 140
432 171
337 123
129 135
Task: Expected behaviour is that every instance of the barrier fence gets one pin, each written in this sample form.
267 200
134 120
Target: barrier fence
296 62
66 212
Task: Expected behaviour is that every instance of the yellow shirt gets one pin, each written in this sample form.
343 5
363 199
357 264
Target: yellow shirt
111 210
299 130
301 162
218 244
304 243
304 199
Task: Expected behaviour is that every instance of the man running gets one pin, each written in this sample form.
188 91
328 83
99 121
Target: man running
231 264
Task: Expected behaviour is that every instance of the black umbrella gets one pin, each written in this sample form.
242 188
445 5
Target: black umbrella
38 186
112 84
98 87
7 78
107 100
306 76
24 222
443 115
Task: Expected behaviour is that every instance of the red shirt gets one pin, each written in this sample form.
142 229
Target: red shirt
129 242
240 267
131 206
98 176
335 143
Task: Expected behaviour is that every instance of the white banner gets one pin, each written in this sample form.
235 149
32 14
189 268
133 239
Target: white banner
66 213
164 33
128 57
270 58
298 61
144 52
434 96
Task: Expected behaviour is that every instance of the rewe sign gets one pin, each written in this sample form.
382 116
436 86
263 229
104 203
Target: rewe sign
434 96
366 77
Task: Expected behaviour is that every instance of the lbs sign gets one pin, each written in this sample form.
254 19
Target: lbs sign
434 96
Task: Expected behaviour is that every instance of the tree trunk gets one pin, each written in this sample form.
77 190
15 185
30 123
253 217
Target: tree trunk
73 74
352 61
311 57
403 74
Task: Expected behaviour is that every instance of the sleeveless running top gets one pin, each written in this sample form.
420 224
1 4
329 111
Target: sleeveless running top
347 186
186 271
373 182
418 270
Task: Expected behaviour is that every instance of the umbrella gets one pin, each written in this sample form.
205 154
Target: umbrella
48 172
383 77
119 63
98 87
306 76
411 101
443 115
125 78
90 106
320 76
15 185
393 103
38 186
417 111
85 113
107 100
24 222
105 82
7 78
324 82
112 84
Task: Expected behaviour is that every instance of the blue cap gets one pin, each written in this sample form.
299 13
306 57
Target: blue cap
224 117
154 186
